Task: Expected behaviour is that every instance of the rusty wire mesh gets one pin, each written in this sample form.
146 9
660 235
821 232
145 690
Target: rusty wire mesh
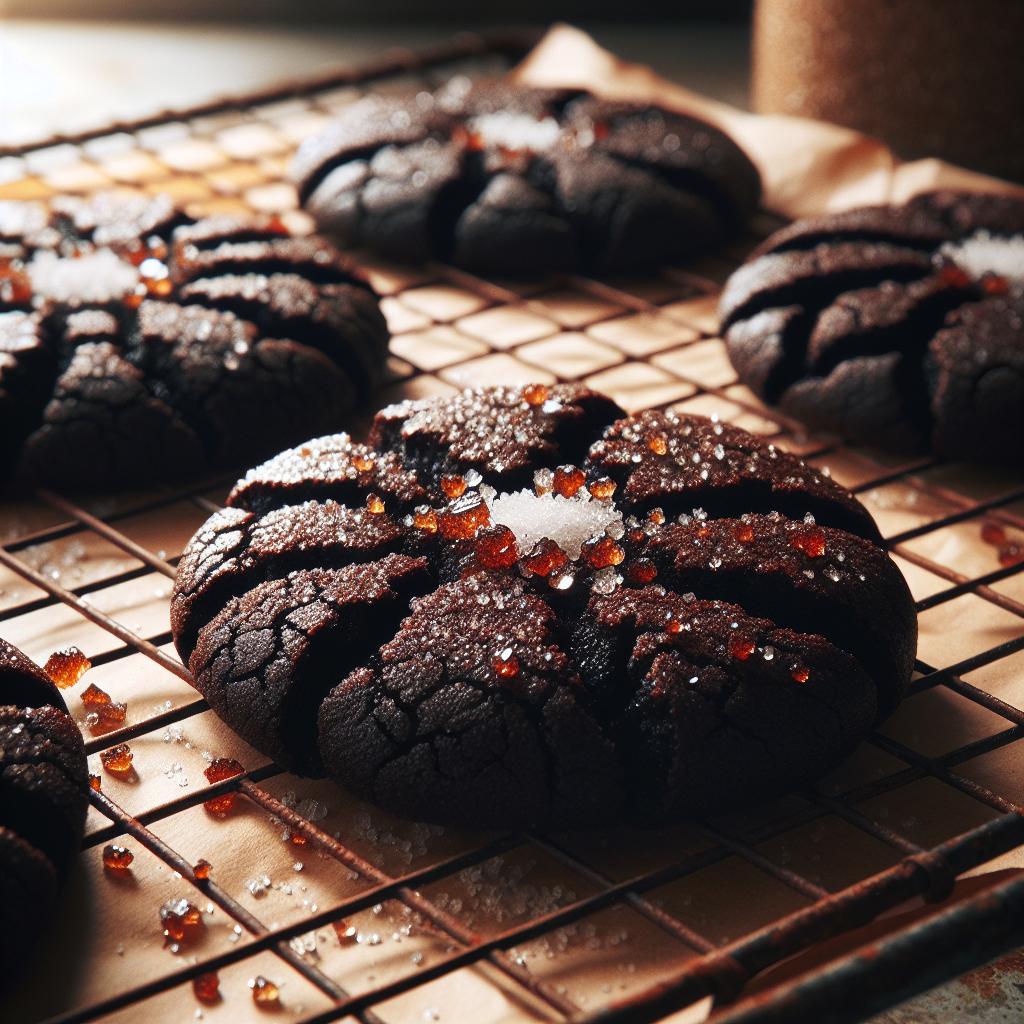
629 925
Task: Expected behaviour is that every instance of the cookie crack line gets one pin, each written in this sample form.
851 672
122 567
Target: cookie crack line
137 341
829 321
550 646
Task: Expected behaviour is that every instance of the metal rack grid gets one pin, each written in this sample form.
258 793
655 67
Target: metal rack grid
649 343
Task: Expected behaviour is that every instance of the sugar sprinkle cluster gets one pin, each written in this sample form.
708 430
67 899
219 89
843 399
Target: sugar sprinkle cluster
984 253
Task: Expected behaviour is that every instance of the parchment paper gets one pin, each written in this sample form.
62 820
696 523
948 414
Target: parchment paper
807 167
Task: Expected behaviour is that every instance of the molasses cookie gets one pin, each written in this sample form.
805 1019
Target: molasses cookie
137 344
501 178
518 606
43 798
898 326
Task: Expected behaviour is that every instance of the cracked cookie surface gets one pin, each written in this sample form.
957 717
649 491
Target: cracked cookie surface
506 179
456 622
137 344
901 327
43 799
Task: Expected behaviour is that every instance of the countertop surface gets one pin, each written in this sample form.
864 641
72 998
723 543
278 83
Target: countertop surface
67 76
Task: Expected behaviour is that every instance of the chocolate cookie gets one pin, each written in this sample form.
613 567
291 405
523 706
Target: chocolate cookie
455 622
898 326
136 344
43 798
505 179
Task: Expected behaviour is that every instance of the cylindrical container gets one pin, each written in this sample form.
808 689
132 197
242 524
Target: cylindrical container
941 78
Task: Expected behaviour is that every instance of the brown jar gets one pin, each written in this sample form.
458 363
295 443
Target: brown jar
942 78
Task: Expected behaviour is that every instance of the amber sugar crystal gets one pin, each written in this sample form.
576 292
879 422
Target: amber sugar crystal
67 666
954 276
462 519
545 558
658 444
219 769
117 760
603 488
744 533
993 533
496 548
112 714
535 394
800 673
811 541
1011 554
642 571
264 992
505 664
206 988
462 136
181 920
741 649
117 859
201 869
94 697
568 480
15 285
454 486
363 463
159 287
425 519
108 712
374 504
95 782
602 552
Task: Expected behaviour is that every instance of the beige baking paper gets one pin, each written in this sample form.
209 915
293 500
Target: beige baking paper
807 167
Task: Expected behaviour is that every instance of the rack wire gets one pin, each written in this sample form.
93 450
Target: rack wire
935 794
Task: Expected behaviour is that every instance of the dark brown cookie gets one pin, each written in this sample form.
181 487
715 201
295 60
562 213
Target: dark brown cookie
459 625
43 799
506 179
135 344
901 327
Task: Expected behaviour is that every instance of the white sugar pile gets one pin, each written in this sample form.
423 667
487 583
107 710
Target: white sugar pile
567 521
515 131
984 253
94 277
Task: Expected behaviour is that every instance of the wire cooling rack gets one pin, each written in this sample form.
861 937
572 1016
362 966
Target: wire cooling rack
356 915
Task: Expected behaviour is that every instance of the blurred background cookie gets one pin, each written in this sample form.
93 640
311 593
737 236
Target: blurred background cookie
504 179
901 327
136 343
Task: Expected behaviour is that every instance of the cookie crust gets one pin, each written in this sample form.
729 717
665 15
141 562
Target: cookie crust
344 619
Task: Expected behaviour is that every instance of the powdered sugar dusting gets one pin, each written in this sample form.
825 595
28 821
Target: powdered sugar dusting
93 277
984 253
515 131
567 521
